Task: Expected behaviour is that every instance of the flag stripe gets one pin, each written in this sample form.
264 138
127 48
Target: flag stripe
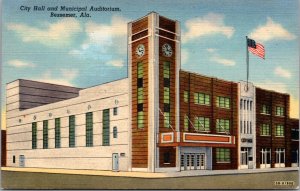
259 50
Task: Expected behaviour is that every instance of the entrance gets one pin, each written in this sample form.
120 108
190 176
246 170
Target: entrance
193 161
265 158
244 158
115 162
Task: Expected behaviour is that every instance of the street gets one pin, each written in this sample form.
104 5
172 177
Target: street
37 180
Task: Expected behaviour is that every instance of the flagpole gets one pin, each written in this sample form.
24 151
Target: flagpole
247 60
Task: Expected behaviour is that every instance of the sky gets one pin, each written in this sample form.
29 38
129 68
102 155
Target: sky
86 51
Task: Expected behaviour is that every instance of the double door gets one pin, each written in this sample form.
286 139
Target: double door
193 161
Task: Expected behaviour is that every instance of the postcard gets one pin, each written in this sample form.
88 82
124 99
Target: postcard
148 94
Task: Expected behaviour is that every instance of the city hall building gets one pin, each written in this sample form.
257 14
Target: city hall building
159 119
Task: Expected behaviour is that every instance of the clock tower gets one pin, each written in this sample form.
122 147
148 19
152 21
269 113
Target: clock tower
153 67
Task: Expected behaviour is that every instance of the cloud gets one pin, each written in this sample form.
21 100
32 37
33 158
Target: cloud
20 64
211 50
282 72
116 63
275 86
66 77
209 24
184 56
271 31
52 34
106 42
223 61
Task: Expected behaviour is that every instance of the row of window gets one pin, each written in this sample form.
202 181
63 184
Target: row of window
266 155
203 124
89 130
266 109
246 104
246 127
204 99
265 130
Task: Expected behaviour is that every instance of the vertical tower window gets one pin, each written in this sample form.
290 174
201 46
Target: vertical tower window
186 123
186 96
115 111
140 96
34 135
167 119
166 72
105 128
57 133
45 134
115 132
140 119
72 131
89 129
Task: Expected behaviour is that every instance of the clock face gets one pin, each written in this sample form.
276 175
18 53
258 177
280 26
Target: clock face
167 50
140 50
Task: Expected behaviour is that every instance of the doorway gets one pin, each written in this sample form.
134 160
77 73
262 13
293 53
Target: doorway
193 161
115 162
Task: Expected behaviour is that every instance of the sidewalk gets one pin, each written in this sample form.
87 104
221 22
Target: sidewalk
148 174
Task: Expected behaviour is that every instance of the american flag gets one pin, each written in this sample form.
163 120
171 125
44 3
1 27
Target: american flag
256 48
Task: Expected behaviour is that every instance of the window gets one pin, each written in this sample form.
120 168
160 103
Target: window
265 130
250 105
45 134
167 158
57 133
279 111
115 111
295 156
140 119
241 104
72 131
186 96
223 102
89 129
223 125
295 134
265 109
140 100
105 128
279 130
202 124
166 69
166 95
34 135
166 119
280 158
265 156
202 99
223 155
140 95
115 132
140 70
186 123
14 159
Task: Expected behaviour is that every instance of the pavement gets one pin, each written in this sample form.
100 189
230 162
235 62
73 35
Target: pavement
148 174
16 179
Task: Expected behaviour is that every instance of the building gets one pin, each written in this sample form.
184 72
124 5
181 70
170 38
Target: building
159 119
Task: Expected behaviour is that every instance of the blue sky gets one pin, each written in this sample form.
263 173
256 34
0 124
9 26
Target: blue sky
88 51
